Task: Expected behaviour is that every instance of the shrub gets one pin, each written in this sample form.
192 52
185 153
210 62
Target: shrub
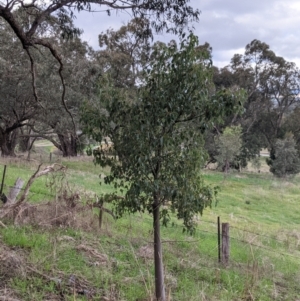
286 159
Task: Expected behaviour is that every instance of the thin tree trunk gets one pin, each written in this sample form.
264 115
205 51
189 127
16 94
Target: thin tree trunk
158 260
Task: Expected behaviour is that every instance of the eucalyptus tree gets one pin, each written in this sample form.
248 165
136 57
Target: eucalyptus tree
286 160
157 148
45 116
278 81
16 106
125 53
80 76
171 15
272 85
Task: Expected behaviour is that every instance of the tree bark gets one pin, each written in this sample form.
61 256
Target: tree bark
25 140
68 145
8 142
158 260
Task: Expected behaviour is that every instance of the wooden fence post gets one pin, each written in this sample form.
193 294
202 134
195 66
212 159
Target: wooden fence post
3 197
219 240
225 243
3 179
15 190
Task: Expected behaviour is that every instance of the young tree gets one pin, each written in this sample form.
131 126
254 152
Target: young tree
286 159
229 145
157 147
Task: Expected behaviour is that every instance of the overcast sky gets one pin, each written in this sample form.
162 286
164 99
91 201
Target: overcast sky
228 25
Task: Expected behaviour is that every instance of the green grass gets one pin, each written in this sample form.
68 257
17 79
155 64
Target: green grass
116 261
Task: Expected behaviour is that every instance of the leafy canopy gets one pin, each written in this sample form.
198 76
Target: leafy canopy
157 144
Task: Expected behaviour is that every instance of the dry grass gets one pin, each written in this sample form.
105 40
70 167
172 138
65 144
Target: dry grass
12 264
67 211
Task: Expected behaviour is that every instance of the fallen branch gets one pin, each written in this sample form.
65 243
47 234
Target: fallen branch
1 224
104 209
37 174
100 204
49 169
14 191
8 299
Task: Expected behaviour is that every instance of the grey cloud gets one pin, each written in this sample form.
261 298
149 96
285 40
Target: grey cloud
228 25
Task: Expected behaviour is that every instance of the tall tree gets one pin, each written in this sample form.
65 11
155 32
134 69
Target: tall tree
16 104
125 53
54 123
157 150
170 15
272 86
46 116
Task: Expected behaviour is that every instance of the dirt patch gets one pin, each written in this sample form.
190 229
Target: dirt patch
146 252
7 294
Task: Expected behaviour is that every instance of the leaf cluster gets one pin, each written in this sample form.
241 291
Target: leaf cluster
154 143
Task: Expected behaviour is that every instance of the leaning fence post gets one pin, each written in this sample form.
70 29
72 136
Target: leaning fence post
15 190
225 243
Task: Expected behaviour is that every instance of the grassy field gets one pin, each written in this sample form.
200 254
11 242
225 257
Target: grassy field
56 250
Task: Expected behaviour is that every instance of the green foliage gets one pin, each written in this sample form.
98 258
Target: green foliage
24 238
124 53
157 144
272 86
256 162
229 144
286 159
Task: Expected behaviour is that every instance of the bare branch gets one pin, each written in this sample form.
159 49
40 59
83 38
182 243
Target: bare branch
61 66
32 68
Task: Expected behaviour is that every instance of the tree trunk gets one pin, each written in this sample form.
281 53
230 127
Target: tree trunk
158 260
25 141
226 166
68 145
8 142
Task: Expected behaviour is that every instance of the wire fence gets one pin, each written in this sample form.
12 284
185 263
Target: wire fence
242 241
247 249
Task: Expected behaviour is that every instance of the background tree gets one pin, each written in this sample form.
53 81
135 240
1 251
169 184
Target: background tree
53 122
291 124
229 146
27 20
272 86
286 159
23 117
17 107
125 53
157 145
